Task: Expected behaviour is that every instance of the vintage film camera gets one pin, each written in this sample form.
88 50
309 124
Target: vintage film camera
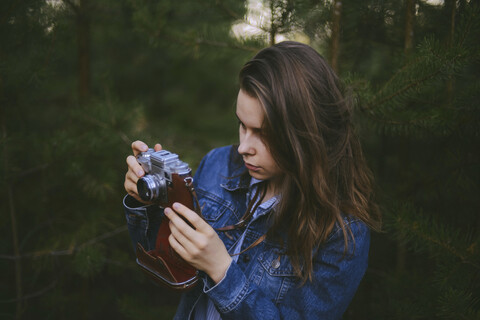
164 174
167 180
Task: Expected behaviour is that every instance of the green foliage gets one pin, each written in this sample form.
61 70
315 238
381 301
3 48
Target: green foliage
457 304
447 288
136 309
88 261
425 118
63 162
414 101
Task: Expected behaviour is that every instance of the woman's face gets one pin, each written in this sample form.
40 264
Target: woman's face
257 158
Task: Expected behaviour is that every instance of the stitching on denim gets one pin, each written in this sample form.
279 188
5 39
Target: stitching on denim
145 234
216 199
237 300
285 286
217 208
338 229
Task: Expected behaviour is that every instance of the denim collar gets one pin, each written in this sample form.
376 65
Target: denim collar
237 182
238 178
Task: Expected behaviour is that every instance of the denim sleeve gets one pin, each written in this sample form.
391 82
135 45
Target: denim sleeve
142 222
336 278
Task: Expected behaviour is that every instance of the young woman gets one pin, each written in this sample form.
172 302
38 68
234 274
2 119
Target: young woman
299 180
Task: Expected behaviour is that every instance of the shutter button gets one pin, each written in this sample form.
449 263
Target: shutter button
276 263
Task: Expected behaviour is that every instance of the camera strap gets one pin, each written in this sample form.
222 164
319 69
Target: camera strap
191 189
252 207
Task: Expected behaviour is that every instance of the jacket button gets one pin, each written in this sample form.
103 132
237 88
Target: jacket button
275 264
246 258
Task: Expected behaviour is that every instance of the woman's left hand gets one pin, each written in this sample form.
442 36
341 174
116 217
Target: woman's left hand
201 247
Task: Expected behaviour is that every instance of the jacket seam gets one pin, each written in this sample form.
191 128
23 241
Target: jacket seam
215 198
339 229
237 300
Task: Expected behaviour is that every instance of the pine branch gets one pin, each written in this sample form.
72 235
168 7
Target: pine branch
8 12
193 42
458 304
32 295
225 45
405 88
431 62
73 6
228 11
412 226
472 18
105 125
31 171
65 252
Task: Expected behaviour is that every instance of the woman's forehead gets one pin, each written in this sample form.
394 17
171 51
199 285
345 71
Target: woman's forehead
249 110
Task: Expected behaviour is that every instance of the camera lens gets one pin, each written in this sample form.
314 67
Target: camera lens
152 188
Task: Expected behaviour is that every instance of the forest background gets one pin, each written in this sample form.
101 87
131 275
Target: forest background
81 79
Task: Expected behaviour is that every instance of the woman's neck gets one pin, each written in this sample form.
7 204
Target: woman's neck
270 192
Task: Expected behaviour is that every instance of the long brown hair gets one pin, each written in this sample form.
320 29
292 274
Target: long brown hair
307 128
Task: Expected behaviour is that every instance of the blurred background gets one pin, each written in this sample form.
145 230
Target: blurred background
81 79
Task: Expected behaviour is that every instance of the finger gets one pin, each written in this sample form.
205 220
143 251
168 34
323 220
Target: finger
192 217
185 242
131 177
131 181
191 238
157 147
130 185
179 223
135 167
183 233
177 247
131 189
139 146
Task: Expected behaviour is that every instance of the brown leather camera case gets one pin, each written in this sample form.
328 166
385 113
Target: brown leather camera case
162 264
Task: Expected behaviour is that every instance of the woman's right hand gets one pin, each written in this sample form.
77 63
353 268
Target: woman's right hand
135 170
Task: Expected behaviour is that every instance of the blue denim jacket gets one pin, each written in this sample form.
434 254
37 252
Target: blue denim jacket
261 284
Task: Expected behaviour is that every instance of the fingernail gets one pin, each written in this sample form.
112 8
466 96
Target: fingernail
144 147
176 206
167 211
140 173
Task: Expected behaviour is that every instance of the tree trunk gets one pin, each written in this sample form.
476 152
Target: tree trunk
273 28
83 45
13 220
401 258
335 45
450 7
409 21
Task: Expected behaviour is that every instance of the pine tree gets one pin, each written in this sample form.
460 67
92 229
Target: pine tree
428 117
66 129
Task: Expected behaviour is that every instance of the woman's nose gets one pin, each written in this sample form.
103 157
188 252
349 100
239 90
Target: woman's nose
245 147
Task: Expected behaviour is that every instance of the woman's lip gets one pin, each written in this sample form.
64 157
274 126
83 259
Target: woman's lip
251 167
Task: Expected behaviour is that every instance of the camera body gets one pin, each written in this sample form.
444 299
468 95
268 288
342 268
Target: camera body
167 180
165 177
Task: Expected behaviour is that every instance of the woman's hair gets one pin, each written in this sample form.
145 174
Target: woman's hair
307 129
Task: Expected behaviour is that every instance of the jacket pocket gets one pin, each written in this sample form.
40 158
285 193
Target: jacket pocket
212 206
277 274
143 227
137 228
